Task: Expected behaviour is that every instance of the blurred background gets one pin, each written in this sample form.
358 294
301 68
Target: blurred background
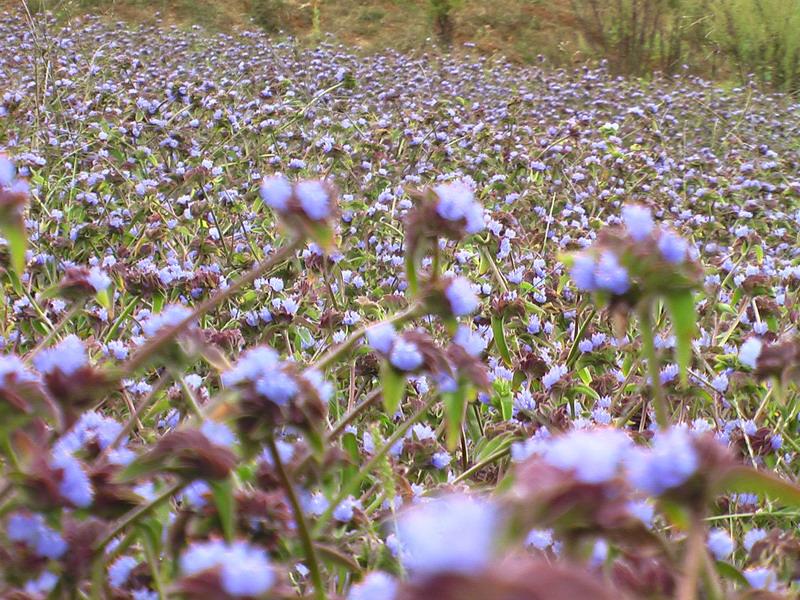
727 40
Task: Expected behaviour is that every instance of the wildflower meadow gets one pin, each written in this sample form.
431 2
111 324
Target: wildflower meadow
282 321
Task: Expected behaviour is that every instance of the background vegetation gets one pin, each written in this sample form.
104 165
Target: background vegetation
727 39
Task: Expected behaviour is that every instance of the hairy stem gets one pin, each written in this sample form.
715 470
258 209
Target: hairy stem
300 520
649 350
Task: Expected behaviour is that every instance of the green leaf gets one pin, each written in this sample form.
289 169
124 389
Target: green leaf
728 571
150 532
411 272
350 446
158 302
454 406
585 389
747 480
393 384
17 241
684 322
222 492
498 330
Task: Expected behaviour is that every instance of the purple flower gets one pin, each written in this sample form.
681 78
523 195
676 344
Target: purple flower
761 578
594 456
638 221
381 337
120 570
218 433
278 387
552 377
672 247
405 355
67 356
456 202
752 537
32 531
720 543
314 199
609 275
171 316
750 351
669 463
473 343
376 586
454 534
582 273
244 570
75 485
275 192
463 301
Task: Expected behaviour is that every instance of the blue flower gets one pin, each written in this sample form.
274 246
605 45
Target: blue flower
720 543
761 578
668 464
67 356
750 351
12 368
594 456
171 316
244 570
582 273
585 345
454 534
672 247
405 355
278 387
218 433
463 301
381 337
346 509
42 585
752 537
553 376
456 202
638 221
34 533
376 586
120 570
75 485
609 275
720 383
440 460
322 386
473 344
276 192
7 172
98 280
541 539
314 199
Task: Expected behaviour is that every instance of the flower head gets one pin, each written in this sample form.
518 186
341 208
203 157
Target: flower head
454 534
638 221
456 201
463 300
244 570
405 355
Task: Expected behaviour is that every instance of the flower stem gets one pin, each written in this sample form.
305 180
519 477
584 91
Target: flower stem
687 588
649 350
300 520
